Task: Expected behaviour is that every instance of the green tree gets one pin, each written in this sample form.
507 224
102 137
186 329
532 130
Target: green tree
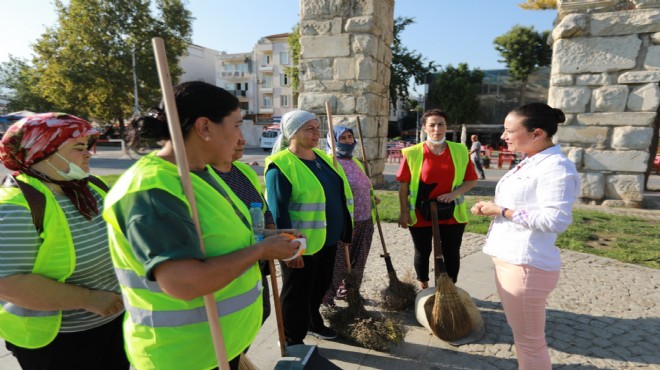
84 64
406 64
294 71
456 91
523 50
19 80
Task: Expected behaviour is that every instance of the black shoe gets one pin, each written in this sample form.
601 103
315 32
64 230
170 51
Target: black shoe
483 177
323 332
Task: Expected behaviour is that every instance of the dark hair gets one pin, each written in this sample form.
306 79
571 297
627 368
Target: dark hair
193 99
431 113
540 115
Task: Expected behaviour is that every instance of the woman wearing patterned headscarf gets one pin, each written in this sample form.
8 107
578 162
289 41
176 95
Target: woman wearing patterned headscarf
305 192
364 224
61 306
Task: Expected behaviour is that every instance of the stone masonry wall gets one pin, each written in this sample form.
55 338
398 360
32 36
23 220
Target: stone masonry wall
605 77
346 59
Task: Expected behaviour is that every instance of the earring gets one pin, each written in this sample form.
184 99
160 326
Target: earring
207 138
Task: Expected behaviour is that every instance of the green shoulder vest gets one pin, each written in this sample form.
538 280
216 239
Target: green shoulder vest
56 260
415 156
254 179
163 332
307 204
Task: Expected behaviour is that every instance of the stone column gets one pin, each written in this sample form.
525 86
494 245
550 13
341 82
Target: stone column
346 59
605 75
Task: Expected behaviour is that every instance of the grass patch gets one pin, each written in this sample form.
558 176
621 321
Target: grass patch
623 238
626 239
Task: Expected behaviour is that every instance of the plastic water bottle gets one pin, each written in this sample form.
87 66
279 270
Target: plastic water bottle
258 223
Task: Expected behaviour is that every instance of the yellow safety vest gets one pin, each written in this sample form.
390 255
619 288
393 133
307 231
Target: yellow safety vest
56 259
307 204
163 332
254 179
414 158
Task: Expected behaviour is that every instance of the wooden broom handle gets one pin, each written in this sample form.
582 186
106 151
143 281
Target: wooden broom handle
334 162
184 174
278 307
437 251
366 170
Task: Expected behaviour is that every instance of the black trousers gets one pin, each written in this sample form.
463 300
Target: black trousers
100 348
451 237
265 271
303 290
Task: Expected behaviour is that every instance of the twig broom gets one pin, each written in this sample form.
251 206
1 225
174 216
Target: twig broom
355 322
450 320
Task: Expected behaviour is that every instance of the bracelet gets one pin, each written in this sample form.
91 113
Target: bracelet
504 209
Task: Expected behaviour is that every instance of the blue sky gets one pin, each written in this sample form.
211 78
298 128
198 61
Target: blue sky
446 31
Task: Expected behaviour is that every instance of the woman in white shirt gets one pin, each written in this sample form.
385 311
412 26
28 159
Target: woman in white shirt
533 203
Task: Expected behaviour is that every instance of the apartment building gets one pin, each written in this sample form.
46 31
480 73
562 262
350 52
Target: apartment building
274 95
235 73
257 78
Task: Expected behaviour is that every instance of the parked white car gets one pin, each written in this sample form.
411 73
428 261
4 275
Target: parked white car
268 138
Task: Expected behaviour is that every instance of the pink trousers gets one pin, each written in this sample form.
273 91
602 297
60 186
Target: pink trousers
523 290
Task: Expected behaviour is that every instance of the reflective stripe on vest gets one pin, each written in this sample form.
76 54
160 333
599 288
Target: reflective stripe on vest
307 207
308 225
130 279
415 157
174 318
24 312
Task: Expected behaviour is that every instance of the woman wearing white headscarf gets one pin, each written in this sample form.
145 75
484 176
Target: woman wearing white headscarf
304 191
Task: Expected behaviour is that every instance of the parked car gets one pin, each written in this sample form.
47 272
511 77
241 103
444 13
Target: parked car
268 138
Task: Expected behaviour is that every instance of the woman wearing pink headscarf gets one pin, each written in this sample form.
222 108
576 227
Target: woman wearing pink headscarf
59 295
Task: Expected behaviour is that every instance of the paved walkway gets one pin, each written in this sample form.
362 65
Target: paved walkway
604 314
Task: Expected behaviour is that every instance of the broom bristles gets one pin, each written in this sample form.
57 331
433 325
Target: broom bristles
449 319
398 296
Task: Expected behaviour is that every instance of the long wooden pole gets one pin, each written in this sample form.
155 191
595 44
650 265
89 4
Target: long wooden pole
184 174
366 169
331 130
278 307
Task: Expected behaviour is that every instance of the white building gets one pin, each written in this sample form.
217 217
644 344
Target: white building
235 73
257 78
198 64
274 94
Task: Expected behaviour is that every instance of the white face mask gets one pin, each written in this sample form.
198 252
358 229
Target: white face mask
75 172
437 142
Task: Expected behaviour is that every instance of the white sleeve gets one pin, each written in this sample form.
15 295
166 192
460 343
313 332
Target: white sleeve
557 190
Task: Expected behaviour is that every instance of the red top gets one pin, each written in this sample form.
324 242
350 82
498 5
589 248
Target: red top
438 170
